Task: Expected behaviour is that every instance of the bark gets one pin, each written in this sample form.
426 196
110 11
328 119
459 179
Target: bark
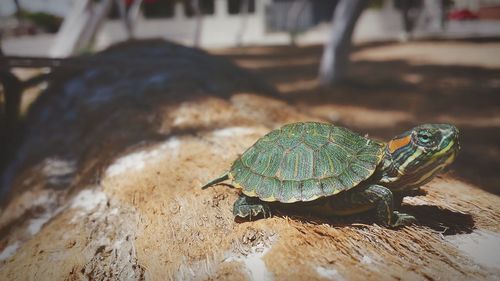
335 60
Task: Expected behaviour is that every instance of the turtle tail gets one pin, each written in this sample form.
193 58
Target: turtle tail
222 178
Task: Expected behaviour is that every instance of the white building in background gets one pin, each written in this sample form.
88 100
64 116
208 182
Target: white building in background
175 21
270 22
266 22
225 25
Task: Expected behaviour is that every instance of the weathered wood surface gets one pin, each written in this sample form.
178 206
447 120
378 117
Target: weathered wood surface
106 187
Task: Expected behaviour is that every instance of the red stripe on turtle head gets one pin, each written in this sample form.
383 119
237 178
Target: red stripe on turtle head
396 144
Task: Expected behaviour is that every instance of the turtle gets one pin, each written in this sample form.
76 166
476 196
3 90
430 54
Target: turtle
334 171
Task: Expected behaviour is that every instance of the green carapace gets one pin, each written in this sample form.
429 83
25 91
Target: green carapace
339 172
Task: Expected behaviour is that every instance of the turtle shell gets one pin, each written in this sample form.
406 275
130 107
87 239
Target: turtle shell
305 161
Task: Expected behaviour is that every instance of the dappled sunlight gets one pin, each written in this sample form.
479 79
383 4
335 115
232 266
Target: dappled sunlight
358 116
300 85
412 78
420 53
265 63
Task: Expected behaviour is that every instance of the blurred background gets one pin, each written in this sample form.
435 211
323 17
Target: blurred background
229 23
375 66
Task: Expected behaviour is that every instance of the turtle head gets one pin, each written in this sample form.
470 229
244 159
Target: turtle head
416 156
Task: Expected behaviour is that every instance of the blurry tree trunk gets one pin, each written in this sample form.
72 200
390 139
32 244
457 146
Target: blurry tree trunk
133 13
195 5
12 98
410 10
435 15
9 117
293 18
18 10
79 27
244 9
125 18
9 110
335 59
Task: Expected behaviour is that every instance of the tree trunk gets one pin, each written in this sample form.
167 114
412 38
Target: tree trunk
79 27
10 106
125 18
195 5
244 9
335 59
9 114
292 19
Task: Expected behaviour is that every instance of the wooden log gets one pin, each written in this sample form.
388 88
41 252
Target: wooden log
107 186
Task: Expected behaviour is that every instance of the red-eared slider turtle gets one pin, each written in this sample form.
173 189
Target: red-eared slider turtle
341 171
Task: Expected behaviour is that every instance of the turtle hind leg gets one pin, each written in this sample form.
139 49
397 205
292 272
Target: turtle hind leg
220 179
250 207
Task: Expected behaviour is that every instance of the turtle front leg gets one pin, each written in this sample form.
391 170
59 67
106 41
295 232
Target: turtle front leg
376 197
250 207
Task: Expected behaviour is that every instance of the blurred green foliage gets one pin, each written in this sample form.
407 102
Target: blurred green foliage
47 22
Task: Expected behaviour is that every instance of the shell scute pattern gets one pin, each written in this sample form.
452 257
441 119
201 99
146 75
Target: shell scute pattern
290 191
298 163
336 159
274 187
268 161
312 188
331 185
250 156
249 181
316 136
270 138
304 161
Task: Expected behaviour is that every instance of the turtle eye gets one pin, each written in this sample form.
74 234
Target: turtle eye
424 137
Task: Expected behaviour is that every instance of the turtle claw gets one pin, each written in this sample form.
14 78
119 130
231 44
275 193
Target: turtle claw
252 211
250 208
402 219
